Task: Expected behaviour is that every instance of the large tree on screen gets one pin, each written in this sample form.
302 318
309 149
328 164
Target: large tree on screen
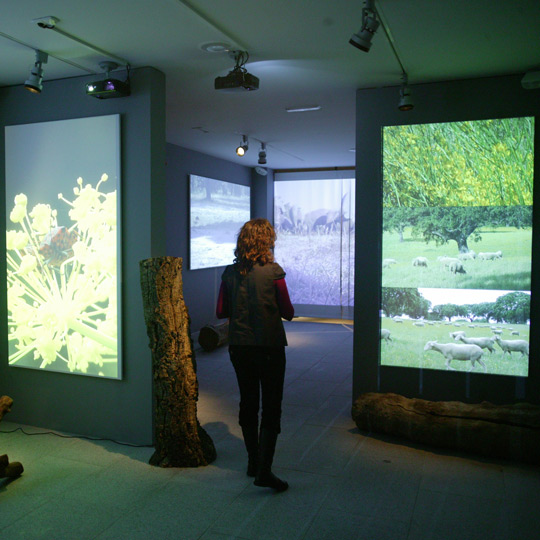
395 301
514 307
462 224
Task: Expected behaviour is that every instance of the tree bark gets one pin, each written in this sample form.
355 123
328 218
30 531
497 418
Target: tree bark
180 441
503 431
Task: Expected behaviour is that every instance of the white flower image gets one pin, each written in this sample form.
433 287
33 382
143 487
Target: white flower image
62 284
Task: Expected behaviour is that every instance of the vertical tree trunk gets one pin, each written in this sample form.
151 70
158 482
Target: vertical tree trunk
180 440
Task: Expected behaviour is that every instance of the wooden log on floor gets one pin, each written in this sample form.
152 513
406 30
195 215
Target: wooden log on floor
213 336
180 440
7 469
501 431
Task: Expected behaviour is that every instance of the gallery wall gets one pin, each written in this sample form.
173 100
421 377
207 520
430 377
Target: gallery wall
201 286
496 97
117 409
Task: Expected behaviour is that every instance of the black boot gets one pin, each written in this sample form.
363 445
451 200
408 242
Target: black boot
251 440
265 477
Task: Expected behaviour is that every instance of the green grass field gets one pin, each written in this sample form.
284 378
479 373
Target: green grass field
407 347
512 272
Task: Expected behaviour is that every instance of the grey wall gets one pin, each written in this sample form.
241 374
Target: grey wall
121 410
439 102
202 286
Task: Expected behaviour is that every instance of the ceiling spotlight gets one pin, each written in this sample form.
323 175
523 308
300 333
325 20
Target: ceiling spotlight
362 40
243 148
33 83
237 80
262 154
405 101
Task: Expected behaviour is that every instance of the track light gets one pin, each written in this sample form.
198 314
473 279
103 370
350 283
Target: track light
405 101
243 148
362 40
262 154
33 83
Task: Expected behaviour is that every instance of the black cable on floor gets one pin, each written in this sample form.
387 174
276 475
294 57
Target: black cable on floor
78 437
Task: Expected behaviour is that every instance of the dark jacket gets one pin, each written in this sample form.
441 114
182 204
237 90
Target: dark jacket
253 306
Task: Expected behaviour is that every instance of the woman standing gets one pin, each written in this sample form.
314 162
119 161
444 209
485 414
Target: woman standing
254 296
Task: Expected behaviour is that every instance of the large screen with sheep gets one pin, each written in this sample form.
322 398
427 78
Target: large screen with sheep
456 245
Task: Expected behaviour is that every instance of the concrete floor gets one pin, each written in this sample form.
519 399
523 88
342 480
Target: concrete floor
344 485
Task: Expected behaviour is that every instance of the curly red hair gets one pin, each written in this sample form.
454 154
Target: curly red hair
254 245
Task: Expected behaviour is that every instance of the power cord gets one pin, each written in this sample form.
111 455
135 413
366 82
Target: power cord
78 437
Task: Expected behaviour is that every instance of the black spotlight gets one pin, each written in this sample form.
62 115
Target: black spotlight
262 154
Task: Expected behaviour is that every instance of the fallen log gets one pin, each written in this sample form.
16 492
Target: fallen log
7 469
501 431
213 336
180 440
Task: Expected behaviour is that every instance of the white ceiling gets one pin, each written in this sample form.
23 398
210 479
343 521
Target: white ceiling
298 48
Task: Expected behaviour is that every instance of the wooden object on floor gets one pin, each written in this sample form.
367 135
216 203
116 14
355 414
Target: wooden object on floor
180 441
213 336
502 431
7 469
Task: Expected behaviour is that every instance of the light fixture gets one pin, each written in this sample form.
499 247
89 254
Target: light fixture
405 101
33 83
362 40
262 154
238 79
243 148
261 171
108 87
303 109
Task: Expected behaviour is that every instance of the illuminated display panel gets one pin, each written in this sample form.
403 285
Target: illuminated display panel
456 249
314 222
62 238
218 209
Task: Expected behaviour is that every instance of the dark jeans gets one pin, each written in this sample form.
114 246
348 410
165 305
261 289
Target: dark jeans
259 370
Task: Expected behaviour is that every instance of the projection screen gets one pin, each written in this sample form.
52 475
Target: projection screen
62 238
456 248
218 209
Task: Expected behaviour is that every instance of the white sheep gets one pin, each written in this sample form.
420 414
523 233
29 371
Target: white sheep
457 351
456 267
482 342
385 334
419 323
387 263
490 255
469 255
420 261
496 331
514 333
397 320
513 345
456 334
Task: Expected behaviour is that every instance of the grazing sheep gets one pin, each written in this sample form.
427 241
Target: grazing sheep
456 334
513 345
496 331
469 255
397 320
471 325
457 351
490 255
419 323
385 334
387 263
482 342
456 267
419 261
514 333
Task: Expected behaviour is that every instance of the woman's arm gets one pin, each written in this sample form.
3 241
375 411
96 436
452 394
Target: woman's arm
222 308
286 309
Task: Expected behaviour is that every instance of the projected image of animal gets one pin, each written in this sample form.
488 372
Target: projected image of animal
456 351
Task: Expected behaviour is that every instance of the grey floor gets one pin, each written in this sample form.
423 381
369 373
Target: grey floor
345 485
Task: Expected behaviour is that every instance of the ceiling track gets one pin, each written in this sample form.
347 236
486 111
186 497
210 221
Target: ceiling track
56 57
